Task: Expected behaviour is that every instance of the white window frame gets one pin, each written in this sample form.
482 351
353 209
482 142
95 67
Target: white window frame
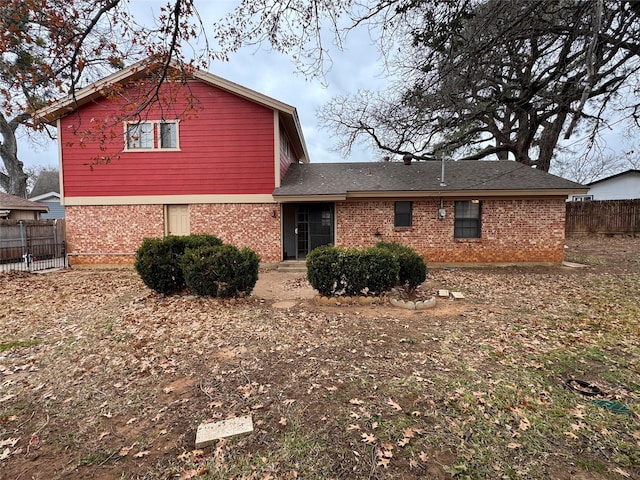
582 198
156 130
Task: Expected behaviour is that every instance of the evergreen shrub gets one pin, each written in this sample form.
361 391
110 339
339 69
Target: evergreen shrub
158 260
413 269
351 271
220 271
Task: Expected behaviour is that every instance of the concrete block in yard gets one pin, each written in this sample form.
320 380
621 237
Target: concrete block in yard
443 293
208 433
457 295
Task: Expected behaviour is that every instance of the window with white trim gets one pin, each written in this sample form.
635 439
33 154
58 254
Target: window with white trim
155 135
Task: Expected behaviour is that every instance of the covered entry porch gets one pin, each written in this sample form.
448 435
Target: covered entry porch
306 226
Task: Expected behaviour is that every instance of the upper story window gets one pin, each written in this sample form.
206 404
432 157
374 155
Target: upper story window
403 214
467 219
152 135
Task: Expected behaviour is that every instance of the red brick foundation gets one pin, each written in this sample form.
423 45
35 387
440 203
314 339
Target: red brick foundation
110 234
529 230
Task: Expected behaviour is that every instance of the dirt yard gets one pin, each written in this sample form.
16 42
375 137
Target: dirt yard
102 378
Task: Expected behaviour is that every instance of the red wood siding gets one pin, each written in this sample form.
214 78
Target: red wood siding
226 147
286 153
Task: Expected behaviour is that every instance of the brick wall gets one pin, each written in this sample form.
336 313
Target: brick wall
512 230
243 225
110 234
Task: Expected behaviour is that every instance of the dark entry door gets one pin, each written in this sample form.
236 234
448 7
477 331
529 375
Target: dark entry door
306 226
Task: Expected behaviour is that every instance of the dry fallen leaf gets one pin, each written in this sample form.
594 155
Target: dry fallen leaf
355 401
514 445
571 435
353 427
144 453
384 462
124 451
283 421
9 442
619 471
394 405
524 424
368 438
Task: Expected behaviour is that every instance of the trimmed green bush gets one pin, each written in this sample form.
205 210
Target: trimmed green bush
201 240
158 260
413 269
157 263
220 271
323 269
343 271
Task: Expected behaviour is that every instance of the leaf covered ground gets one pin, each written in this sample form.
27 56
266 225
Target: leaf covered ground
102 378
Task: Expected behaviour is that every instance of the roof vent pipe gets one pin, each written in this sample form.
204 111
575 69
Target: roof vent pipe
407 158
442 182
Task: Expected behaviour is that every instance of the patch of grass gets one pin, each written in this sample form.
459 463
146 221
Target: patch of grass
296 452
591 465
18 344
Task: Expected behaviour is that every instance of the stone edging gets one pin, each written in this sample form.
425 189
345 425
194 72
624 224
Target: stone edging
411 305
408 304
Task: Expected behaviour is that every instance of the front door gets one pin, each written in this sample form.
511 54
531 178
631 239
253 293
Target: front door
306 226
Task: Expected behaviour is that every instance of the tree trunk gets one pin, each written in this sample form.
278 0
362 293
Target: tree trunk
15 180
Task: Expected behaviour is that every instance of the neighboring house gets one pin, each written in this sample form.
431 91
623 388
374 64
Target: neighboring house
236 166
47 192
621 186
18 208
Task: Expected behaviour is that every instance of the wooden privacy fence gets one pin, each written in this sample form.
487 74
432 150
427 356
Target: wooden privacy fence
25 244
603 216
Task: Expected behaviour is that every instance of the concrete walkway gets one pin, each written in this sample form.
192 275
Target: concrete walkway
275 285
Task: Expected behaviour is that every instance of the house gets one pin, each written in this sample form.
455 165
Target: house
621 186
479 212
13 207
223 159
46 191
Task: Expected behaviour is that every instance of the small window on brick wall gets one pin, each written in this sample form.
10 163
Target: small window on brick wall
403 214
467 219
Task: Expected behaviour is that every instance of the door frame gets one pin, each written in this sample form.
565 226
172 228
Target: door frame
293 215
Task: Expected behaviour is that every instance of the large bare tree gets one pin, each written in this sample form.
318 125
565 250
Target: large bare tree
50 48
500 79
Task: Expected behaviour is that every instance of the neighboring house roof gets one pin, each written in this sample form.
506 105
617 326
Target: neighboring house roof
48 182
46 197
336 181
288 114
13 202
630 171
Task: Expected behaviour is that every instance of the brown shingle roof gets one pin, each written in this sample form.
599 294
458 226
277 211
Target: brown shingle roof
376 179
12 202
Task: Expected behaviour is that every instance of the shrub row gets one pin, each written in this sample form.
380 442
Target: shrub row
350 271
200 262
